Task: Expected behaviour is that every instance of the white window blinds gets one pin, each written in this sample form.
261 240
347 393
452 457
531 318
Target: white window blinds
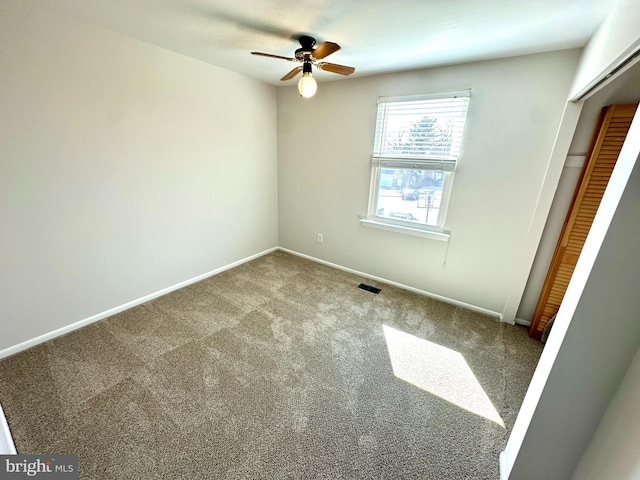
420 131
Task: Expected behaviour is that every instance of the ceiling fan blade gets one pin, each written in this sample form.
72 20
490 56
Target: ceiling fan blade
325 49
274 56
332 67
291 74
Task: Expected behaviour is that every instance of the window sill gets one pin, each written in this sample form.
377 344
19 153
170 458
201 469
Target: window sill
418 232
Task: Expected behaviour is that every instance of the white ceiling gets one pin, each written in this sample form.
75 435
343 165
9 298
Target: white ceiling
376 36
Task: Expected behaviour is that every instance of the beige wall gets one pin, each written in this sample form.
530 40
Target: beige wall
124 169
613 451
324 154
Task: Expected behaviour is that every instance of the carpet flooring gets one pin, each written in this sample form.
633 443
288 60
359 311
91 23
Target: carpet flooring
280 368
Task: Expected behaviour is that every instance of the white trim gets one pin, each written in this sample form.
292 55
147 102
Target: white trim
7 447
418 232
94 318
450 301
502 459
617 67
520 321
426 96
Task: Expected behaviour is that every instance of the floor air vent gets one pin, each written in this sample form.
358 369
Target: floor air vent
369 288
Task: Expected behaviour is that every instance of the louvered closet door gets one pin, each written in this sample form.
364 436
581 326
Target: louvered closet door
605 147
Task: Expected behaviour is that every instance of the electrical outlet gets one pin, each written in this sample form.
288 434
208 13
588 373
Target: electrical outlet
320 238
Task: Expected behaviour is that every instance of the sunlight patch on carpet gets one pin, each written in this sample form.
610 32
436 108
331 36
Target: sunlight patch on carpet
438 370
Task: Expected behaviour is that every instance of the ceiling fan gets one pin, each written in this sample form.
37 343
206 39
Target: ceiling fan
308 54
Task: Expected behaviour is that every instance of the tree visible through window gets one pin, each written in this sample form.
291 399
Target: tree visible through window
416 149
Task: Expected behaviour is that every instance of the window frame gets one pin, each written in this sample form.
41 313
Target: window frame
430 162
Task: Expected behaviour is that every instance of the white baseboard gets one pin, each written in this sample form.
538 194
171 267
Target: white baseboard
94 318
451 301
112 311
524 323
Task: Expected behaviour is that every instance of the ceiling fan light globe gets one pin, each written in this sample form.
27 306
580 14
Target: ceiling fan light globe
307 86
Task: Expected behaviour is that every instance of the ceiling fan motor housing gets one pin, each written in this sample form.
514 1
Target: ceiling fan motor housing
306 43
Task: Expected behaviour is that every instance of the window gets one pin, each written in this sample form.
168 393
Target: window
416 149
